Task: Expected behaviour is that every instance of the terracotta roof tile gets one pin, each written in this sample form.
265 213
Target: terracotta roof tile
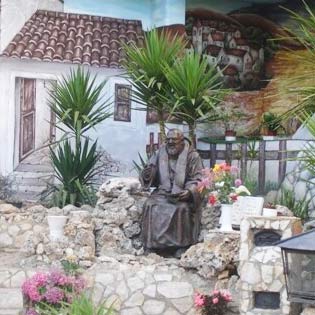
74 38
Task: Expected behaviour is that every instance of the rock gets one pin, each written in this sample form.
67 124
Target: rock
132 230
219 252
5 240
271 196
284 211
7 208
37 209
114 187
69 208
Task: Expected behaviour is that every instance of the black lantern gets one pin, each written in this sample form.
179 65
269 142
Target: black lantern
298 255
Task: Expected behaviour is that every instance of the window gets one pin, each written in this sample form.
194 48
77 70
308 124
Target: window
122 110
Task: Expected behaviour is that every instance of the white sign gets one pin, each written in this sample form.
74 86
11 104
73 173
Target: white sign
246 206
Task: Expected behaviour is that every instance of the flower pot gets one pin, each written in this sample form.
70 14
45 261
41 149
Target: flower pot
226 218
56 224
269 135
230 135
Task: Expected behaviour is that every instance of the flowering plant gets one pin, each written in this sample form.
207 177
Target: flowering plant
213 304
49 290
222 184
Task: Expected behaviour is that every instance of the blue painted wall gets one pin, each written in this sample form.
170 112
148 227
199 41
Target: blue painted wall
150 12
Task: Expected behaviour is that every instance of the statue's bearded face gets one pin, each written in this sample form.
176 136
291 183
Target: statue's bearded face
174 143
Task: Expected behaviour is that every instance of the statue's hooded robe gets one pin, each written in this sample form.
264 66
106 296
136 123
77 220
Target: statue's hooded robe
166 221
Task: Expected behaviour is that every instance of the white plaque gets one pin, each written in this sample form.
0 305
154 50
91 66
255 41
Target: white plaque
246 206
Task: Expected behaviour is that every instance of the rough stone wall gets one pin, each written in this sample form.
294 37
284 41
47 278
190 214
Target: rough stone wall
260 267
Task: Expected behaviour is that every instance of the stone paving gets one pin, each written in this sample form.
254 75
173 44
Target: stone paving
145 285
148 287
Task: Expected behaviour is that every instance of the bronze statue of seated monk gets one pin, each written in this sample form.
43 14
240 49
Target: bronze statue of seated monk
171 215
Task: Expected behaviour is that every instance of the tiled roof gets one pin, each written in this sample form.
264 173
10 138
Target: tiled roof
213 50
236 52
217 36
74 38
230 70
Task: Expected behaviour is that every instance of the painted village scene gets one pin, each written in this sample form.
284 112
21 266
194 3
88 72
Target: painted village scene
157 157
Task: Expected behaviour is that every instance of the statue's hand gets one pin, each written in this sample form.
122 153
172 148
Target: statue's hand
184 195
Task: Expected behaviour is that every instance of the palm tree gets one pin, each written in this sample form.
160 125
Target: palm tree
145 70
195 89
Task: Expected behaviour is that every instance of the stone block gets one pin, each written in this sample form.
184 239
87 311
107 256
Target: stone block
153 307
174 290
11 298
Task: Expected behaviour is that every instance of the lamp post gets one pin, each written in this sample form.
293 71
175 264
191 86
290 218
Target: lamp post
298 256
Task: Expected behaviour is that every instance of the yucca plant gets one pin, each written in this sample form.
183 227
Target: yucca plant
145 69
78 104
195 88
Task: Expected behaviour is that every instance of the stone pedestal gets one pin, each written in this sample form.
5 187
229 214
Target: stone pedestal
261 273
309 310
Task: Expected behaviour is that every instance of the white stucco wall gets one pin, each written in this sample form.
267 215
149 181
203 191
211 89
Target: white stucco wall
123 140
14 13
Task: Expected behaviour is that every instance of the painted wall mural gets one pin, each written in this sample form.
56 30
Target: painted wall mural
238 37
150 12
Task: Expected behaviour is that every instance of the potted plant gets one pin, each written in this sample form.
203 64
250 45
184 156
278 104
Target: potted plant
222 185
229 117
270 125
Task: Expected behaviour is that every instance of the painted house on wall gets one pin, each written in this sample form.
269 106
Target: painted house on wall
46 47
40 48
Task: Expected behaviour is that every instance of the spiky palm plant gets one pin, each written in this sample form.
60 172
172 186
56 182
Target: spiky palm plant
195 88
77 102
144 66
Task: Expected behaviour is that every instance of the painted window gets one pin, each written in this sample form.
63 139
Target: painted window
122 110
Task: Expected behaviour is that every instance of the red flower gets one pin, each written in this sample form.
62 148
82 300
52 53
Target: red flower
212 199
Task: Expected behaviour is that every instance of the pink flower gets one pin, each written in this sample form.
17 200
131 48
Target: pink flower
30 290
54 295
234 170
238 182
226 295
58 278
40 279
215 292
215 300
205 183
199 300
31 311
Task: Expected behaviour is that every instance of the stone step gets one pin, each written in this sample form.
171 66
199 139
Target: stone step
34 168
30 196
11 311
11 299
29 175
21 187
